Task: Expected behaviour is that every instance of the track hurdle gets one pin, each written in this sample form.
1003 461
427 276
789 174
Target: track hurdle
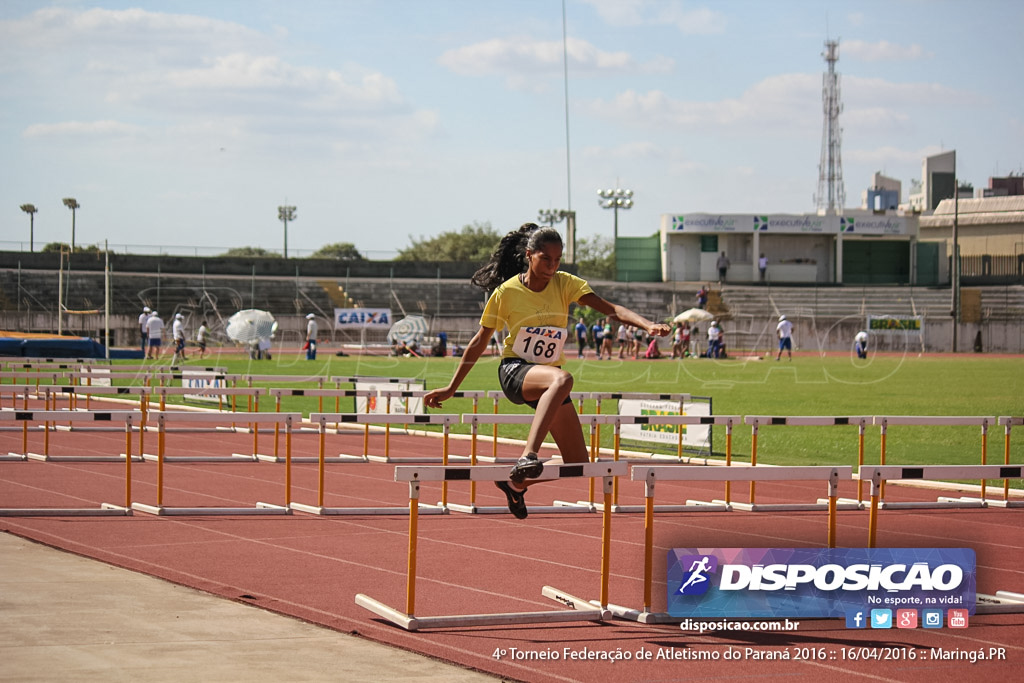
756 421
323 419
105 509
945 421
162 418
879 474
679 421
582 610
14 391
477 419
1007 423
651 474
337 394
65 417
213 418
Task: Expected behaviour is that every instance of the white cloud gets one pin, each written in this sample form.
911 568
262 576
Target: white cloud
517 58
886 155
695 21
83 129
882 51
787 101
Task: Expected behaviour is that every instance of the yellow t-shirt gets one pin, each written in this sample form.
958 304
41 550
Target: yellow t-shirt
516 306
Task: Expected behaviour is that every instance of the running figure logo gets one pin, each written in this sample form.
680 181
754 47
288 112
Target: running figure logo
696 581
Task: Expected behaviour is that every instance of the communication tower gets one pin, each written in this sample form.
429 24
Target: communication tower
831 194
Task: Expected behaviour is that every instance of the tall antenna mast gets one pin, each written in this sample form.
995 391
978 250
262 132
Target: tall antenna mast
831 194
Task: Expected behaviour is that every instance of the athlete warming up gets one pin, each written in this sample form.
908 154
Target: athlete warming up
531 297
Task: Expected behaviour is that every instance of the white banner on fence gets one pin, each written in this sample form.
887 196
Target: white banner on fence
365 318
402 405
204 381
693 435
97 377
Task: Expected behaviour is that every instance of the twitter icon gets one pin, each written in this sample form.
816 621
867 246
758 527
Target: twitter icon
881 618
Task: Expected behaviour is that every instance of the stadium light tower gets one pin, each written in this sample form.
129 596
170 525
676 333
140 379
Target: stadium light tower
615 199
831 194
285 214
31 209
552 216
72 204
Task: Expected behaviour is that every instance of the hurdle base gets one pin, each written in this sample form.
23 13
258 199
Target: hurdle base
163 511
1003 602
306 459
43 457
777 507
578 506
503 509
412 623
13 457
842 504
1006 503
329 511
967 500
104 510
630 614
690 506
950 503
234 457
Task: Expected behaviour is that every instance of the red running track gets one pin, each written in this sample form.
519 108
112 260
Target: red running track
311 567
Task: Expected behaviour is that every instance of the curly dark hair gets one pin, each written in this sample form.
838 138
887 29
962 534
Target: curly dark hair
509 259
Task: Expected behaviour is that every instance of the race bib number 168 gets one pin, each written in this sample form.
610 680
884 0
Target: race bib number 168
540 345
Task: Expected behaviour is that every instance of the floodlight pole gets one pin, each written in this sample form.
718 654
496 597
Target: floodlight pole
956 256
552 216
72 204
285 214
31 209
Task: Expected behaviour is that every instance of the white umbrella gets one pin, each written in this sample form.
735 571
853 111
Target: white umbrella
251 325
693 315
409 328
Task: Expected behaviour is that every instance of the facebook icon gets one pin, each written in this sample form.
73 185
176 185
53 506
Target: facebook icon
856 619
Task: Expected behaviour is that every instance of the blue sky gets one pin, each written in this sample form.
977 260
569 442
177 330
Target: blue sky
187 124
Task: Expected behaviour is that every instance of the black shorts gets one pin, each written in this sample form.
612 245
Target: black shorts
511 375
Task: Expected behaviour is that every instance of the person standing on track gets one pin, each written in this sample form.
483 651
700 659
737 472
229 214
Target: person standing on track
531 297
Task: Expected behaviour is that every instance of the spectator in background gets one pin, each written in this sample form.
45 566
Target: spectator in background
311 330
860 344
606 340
653 351
581 338
702 297
154 331
178 334
597 336
785 331
723 267
714 335
143 319
623 338
762 266
202 334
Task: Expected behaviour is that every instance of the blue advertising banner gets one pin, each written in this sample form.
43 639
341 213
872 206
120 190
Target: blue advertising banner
817 582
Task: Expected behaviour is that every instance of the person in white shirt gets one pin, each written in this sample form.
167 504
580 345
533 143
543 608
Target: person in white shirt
201 336
178 333
714 335
762 266
154 330
785 331
311 330
143 318
860 344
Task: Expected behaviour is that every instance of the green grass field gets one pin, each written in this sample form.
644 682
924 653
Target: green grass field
835 385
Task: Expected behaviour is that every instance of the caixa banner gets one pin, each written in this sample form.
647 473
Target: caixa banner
816 582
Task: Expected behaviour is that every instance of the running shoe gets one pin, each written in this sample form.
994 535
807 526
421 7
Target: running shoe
516 499
527 467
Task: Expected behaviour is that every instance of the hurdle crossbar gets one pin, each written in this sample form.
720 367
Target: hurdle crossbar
105 509
678 420
477 419
879 474
582 610
650 475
